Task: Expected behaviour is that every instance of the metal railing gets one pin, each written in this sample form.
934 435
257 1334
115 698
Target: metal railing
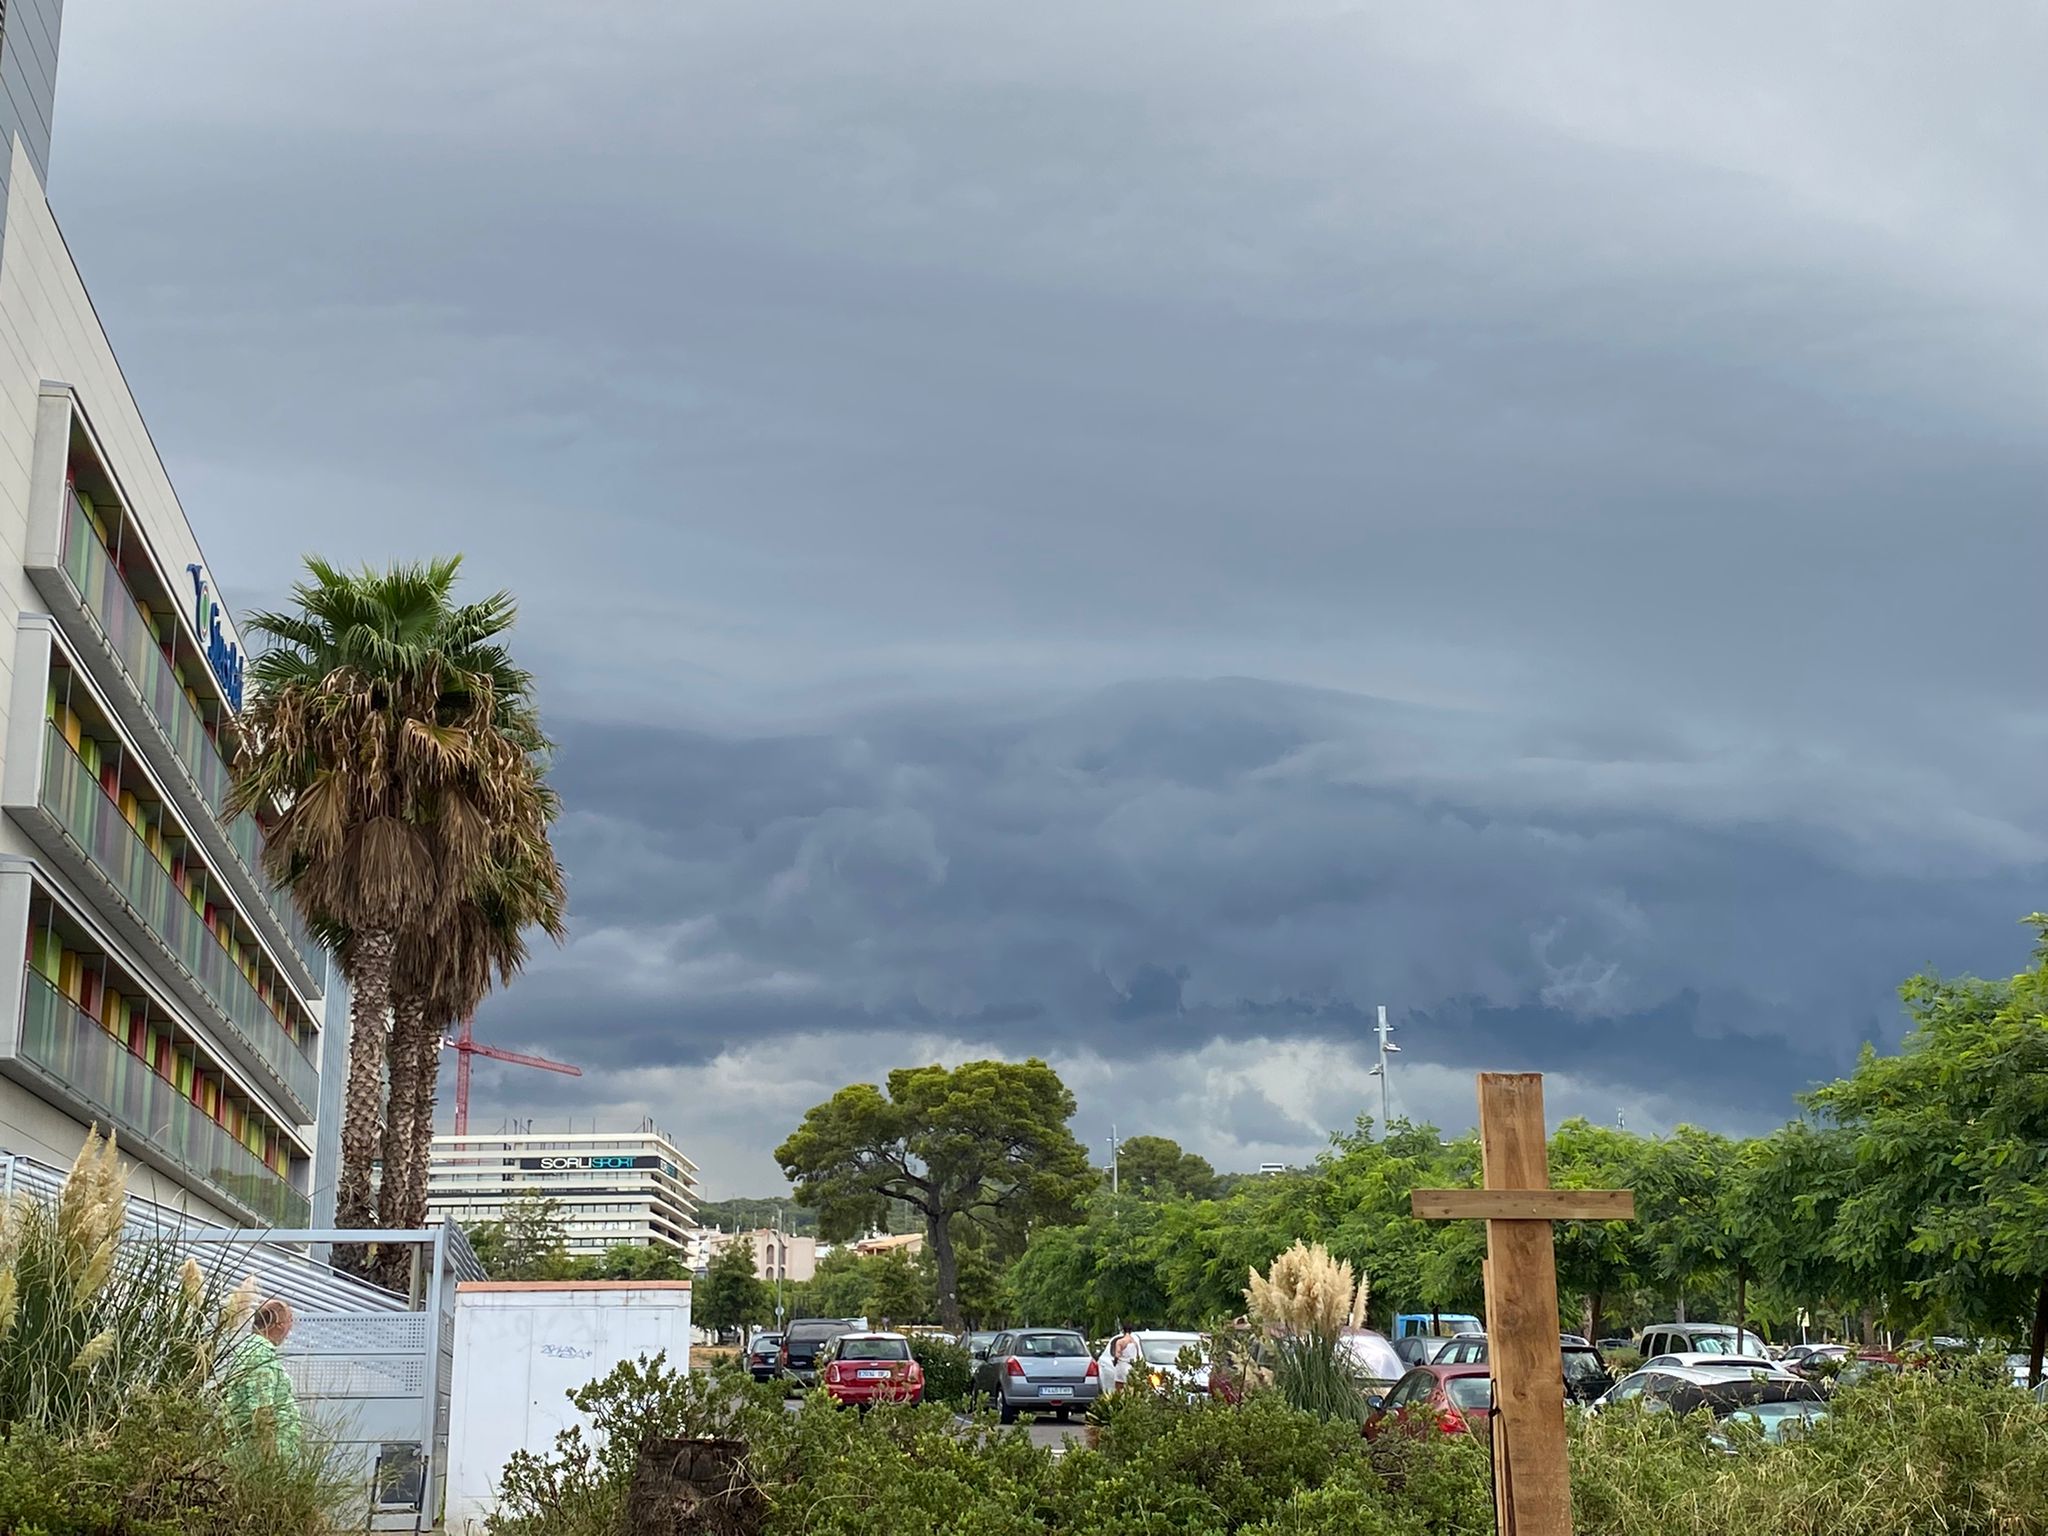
89 1064
75 799
105 594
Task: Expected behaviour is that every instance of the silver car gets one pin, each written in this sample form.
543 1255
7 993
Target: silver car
1038 1370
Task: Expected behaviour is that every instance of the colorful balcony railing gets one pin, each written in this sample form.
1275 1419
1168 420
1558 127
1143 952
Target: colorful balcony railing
100 587
73 796
120 1085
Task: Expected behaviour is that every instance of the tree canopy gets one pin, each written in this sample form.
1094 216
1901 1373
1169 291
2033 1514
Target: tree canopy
986 1142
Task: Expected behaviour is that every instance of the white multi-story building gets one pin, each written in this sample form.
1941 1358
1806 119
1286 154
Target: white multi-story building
161 988
613 1187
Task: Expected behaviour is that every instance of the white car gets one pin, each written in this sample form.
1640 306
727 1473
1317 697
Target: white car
1721 1366
1659 1377
1154 1357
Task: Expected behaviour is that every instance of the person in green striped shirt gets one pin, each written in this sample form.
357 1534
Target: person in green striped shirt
259 1393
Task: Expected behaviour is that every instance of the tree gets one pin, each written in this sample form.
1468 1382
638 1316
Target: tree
531 1243
984 1142
1949 1140
391 730
896 1289
637 1261
732 1294
1156 1166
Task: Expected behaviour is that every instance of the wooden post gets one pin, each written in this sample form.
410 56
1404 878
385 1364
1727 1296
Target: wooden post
1532 1480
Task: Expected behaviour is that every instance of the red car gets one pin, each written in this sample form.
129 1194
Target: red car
1450 1398
859 1369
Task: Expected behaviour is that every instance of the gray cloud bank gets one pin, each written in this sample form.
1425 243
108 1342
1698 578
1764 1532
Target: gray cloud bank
1611 433
1137 871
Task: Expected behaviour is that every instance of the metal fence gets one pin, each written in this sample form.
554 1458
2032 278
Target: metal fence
371 1367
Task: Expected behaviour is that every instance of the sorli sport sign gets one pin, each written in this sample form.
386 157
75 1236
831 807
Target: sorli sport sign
581 1163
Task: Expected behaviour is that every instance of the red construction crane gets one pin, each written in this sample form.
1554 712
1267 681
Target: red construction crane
465 1047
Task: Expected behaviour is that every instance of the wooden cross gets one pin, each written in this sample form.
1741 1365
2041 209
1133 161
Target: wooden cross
1532 1489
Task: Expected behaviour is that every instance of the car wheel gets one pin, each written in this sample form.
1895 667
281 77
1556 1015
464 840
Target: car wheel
1006 1411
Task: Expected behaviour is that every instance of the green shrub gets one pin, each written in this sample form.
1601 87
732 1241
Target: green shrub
1956 1452
579 1487
948 1369
115 1356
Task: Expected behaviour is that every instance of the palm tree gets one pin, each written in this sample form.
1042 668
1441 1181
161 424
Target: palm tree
396 736
441 977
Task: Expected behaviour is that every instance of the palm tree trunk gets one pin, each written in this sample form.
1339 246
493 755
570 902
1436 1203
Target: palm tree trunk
394 1181
419 1159
361 1120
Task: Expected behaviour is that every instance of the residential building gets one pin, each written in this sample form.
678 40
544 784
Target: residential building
613 1187
906 1243
777 1255
165 990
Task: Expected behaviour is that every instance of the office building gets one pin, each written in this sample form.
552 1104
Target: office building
612 1187
162 988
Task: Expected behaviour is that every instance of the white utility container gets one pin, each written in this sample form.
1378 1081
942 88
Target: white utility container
521 1348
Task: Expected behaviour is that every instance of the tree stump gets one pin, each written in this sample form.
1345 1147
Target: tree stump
694 1488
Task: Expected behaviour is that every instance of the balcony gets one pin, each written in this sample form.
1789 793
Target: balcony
83 1062
100 590
92 828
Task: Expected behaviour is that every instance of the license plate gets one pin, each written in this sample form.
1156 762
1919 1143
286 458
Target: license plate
1055 1391
872 1375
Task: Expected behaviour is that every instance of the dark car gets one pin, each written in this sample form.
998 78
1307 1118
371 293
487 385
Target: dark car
1418 1348
800 1345
764 1356
979 1341
1586 1375
1450 1398
1038 1370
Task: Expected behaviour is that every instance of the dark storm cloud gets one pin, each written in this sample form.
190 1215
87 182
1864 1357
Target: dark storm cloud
1152 866
859 397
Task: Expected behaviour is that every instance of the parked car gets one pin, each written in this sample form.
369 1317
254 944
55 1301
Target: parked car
978 1341
1586 1375
1441 1325
1699 1338
1153 1359
861 1369
1608 1346
764 1356
1038 1370
1372 1357
1812 1360
1658 1379
1448 1398
1773 1406
1419 1348
800 1346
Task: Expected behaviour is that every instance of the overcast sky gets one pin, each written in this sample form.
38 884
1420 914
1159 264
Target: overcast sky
1135 533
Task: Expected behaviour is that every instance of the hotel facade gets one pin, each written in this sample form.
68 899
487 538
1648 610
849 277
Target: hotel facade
157 984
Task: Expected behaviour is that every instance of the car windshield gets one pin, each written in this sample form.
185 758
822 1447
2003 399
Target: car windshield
816 1333
1582 1364
874 1349
768 1341
1167 1351
1776 1419
1470 1391
1046 1345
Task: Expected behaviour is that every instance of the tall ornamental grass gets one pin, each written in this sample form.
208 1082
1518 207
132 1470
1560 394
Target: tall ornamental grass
1304 1299
115 1355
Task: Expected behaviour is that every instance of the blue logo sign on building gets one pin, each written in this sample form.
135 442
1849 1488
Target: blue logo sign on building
221 652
